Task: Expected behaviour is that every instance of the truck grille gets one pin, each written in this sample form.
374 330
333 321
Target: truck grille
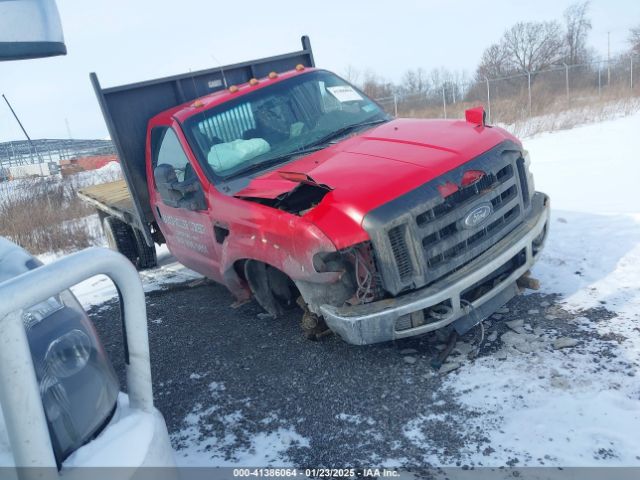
421 236
445 239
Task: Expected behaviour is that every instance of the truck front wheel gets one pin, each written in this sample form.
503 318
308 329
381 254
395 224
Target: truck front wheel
130 243
276 293
272 289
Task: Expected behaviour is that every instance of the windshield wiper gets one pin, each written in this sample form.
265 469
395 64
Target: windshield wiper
344 130
274 161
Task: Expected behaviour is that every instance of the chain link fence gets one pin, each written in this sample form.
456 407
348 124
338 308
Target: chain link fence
509 100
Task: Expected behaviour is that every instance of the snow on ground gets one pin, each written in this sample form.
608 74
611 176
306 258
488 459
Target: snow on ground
593 254
108 173
562 407
201 446
22 186
100 289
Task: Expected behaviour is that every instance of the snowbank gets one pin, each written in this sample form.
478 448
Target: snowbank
109 173
591 174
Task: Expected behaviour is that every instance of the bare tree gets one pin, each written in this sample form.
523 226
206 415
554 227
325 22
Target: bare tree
453 82
533 46
415 82
376 87
577 26
634 40
352 74
494 62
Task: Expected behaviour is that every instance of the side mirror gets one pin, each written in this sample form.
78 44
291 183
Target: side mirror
176 194
30 29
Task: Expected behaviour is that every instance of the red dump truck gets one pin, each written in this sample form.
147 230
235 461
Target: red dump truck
287 184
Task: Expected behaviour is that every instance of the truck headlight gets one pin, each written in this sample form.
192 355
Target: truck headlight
78 385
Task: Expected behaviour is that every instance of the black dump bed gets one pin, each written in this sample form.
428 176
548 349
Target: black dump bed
127 110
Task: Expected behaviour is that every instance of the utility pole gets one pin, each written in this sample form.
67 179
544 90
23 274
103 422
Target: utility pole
529 89
566 77
608 58
488 100
599 79
444 102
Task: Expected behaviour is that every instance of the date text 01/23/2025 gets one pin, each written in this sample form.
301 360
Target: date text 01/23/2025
350 473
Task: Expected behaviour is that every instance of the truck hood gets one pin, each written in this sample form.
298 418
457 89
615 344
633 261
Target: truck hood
367 170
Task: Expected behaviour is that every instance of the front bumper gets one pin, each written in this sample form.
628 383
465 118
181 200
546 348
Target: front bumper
377 321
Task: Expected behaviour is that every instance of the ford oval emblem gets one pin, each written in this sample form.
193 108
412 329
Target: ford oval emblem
477 215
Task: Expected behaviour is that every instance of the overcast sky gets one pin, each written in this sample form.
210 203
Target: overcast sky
132 40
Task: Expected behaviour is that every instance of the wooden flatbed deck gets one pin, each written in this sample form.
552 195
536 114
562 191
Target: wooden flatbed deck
113 198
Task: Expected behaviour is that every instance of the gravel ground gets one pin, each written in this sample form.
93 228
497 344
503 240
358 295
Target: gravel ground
234 373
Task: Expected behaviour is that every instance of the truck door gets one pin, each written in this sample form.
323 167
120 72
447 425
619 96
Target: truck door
181 206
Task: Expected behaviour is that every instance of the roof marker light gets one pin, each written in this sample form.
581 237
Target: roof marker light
197 104
253 82
299 67
233 89
273 75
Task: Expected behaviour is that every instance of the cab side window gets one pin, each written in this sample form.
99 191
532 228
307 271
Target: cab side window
174 177
168 151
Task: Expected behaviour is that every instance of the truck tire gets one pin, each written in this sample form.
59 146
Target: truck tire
120 238
147 257
129 242
272 289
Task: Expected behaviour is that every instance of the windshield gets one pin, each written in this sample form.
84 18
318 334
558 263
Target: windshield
273 124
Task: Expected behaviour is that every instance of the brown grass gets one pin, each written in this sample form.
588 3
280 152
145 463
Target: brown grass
579 109
45 215
550 111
